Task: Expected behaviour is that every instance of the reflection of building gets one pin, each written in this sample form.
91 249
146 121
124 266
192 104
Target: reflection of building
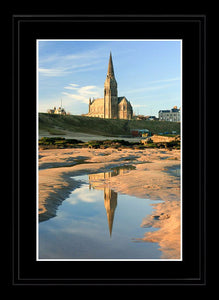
110 203
110 197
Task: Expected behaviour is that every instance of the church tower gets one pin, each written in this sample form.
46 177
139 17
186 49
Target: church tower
110 93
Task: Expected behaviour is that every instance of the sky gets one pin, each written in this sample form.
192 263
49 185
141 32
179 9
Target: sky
148 73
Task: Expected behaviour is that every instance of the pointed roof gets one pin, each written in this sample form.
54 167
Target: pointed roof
110 217
110 203
110 71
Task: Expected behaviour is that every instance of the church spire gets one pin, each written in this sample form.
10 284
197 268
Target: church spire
110 203
110 72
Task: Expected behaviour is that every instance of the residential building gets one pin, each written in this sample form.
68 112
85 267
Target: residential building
172 115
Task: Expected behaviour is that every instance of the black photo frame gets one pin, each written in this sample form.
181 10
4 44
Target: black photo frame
25 270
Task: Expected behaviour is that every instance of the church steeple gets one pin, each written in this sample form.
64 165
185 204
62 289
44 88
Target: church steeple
110 203
110 71
110 93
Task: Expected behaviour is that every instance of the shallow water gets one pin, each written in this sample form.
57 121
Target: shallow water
95 222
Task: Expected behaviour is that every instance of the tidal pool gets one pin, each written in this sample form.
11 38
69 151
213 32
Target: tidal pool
95 222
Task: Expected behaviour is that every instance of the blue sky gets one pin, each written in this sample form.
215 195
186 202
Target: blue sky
148 73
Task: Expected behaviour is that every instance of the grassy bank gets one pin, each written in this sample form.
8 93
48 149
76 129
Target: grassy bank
59 124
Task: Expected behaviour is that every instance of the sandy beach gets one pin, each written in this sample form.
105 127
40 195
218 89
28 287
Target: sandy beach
154 177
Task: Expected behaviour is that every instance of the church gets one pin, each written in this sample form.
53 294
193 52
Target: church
111 106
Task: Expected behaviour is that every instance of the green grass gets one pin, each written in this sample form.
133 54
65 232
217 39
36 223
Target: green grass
58 124
54 131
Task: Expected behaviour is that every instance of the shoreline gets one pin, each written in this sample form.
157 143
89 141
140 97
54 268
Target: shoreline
152 178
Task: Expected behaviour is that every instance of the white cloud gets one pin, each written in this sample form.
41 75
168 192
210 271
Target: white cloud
83 93
53 72
140 105
155 85
85 195
88 90
149 88
70 88
59 64
57 71
76 97
73 84
164 80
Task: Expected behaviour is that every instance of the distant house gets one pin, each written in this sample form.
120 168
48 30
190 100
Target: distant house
151 118
140 117
172 115
140 132
58 111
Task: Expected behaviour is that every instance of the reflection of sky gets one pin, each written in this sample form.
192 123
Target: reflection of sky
80 229
82 194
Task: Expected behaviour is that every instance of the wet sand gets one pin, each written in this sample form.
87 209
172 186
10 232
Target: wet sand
153 178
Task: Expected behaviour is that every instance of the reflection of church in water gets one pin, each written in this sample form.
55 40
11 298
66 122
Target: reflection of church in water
110 197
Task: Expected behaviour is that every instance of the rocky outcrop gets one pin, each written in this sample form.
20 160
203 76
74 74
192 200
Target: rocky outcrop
160 139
